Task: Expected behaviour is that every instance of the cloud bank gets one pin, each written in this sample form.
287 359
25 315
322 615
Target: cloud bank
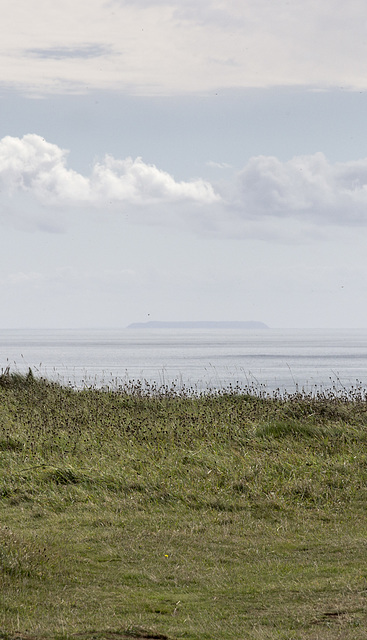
307 188
156 47
268 197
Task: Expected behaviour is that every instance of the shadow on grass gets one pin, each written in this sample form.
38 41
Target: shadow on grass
127 634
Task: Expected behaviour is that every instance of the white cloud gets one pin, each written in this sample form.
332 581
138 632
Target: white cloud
218 165
307 188
135 182
31 164
34 166
268 198
162 47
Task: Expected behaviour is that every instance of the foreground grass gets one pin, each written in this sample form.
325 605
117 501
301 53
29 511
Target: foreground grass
165 515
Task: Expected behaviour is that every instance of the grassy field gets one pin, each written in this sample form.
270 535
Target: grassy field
140 513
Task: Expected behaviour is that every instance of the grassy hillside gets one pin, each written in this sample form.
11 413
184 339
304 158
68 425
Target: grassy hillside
155 514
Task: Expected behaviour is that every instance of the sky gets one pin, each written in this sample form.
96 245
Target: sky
183 160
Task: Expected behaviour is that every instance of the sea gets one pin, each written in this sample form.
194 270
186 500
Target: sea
263 360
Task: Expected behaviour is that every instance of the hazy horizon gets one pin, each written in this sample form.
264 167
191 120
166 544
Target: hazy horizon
123 327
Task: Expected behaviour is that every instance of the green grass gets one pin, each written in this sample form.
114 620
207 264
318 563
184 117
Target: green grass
160 514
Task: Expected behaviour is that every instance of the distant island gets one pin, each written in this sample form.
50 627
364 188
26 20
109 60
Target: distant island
199 325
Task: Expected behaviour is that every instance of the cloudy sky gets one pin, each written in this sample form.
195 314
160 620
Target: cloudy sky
183 160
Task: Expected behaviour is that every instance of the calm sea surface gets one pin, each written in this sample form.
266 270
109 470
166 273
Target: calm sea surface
270 359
